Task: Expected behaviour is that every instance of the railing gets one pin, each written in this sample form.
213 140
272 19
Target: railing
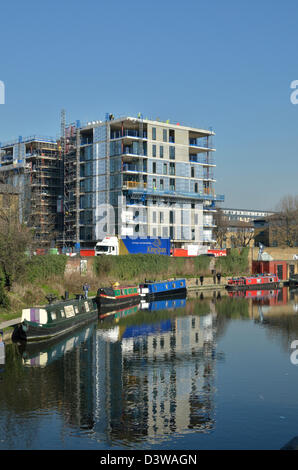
130 168
134 185
201 142
202 160
127 133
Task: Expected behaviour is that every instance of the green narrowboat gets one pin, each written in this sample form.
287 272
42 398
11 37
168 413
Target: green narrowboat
117 296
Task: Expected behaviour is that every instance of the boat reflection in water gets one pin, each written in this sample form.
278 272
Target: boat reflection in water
44 353
136 376
163 382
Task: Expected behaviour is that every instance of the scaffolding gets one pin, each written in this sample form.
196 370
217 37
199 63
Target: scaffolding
37 172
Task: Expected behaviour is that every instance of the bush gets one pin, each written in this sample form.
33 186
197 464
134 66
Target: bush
4 300
236 262
44 267
156 267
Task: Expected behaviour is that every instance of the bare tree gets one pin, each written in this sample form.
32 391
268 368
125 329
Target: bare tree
284 224
243 233
221 229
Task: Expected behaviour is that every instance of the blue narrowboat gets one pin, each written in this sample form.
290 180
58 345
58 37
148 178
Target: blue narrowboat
155 290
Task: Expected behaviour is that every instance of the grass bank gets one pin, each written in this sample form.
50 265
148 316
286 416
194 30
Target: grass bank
156 267
44 275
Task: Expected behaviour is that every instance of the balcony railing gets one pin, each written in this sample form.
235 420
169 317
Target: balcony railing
134 185
201 142
137 187
203 160
127 133
134 168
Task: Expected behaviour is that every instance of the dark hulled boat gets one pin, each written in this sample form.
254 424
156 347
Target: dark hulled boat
54 319
293 280
117 296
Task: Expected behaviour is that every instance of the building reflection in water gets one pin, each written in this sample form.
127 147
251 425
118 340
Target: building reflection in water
155 379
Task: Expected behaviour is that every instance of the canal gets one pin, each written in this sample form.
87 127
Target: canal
209 372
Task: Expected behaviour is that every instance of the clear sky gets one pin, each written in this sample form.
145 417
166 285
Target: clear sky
221 64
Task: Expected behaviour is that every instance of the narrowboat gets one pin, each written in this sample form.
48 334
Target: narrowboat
54 319
293 280
257 281
117 296
171 287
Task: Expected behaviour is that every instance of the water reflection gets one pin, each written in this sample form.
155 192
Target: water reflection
162 373
139 375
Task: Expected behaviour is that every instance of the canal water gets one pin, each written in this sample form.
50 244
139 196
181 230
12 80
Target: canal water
209 372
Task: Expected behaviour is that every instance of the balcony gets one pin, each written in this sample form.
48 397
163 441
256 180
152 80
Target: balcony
202 142
131 168
136 185
139 188
128 133
203 160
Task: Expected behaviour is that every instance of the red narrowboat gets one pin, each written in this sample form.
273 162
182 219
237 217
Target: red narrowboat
257 281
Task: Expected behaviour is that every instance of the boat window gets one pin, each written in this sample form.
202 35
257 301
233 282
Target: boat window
174 284
125 291
53 316
117 292
181 283
155 288
167 286
62 313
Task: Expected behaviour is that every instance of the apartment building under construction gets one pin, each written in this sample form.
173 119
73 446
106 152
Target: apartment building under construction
34 166
157 178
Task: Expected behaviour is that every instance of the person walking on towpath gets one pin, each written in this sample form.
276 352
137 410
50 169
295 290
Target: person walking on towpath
86 288
218 275
201 280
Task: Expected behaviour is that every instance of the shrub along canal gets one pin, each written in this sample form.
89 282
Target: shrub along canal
210 372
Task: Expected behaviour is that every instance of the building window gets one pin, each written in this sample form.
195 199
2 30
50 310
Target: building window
154 217
172 169
154 167
172 153
172 136
161 219
154 183
153 133
172 184
154 150
192 172
161 151
165 169
165 135
154 232
196 188
161 184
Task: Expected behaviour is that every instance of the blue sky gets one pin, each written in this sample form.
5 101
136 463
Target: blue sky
221 64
